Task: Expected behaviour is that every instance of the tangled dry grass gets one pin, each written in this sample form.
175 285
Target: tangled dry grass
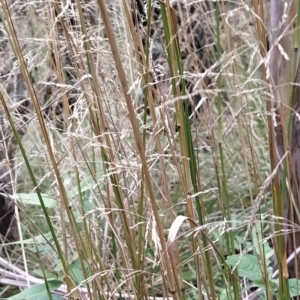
115 203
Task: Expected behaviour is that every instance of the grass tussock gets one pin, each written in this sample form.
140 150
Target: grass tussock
116 201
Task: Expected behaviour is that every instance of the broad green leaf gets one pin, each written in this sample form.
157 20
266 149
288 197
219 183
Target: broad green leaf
87 205
37 290
88 183
294 285
46 297
257 239
227 294
77 273
32 199
40 239
248 266
262 284
49 275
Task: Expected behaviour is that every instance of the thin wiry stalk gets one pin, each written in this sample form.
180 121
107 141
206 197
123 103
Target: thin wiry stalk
34 182
229 237
139 142
18 52
284 98
18 277
124 184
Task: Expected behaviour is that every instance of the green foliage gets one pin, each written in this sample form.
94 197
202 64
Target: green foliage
39 291
33 199
250 267
247 265
99 199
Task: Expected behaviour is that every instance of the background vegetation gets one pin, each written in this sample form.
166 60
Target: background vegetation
117 204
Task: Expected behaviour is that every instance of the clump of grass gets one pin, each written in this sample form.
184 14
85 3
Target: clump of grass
115 203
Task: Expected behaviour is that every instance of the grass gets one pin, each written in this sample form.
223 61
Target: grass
118 204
